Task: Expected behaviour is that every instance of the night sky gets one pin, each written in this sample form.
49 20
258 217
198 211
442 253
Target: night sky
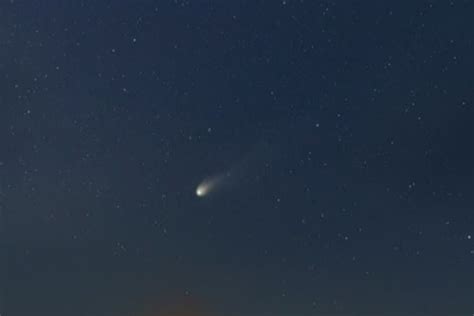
237 157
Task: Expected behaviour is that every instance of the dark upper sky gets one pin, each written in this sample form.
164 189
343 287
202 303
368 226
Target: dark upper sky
338 136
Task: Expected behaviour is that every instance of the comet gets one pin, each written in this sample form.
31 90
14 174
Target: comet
209 185
202 189
239 175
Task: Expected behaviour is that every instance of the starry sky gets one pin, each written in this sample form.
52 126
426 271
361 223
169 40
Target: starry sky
338 137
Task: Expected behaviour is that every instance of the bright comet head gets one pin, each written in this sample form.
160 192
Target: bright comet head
202 189
199 192
209 185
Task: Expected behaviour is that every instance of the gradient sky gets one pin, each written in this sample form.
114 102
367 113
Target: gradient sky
341 133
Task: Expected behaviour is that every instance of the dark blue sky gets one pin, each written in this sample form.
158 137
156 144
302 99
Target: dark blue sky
341 132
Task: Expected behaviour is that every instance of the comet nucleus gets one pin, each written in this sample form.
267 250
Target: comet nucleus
205 187
201 190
